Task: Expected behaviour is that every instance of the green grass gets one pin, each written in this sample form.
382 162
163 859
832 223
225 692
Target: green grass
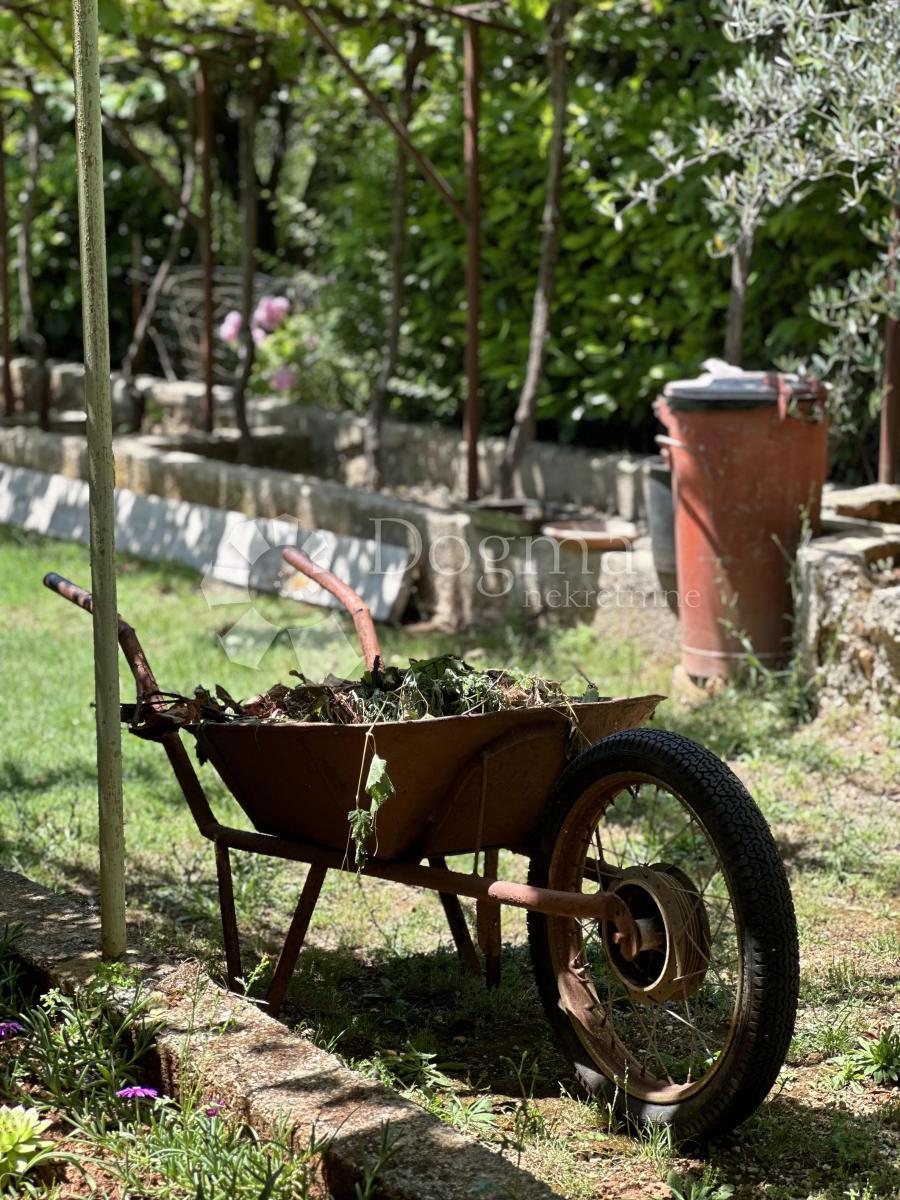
378 981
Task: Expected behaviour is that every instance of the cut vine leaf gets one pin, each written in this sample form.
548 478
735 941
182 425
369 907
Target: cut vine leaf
378 782
362 821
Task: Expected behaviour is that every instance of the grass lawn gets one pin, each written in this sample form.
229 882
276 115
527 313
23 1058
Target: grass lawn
379 983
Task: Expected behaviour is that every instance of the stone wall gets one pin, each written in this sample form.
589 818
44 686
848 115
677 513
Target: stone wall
848 615
331 443
469 566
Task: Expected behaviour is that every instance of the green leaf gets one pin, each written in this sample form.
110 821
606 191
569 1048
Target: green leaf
111 17
378 782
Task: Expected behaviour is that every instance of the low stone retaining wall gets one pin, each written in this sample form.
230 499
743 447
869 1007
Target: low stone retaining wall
263 1073
415 455
848 616
468 566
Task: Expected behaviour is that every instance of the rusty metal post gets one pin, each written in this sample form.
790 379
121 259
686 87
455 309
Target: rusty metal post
296 936
487 921
233 970
101 472
204 154
472 158
5 338
399 130
456 919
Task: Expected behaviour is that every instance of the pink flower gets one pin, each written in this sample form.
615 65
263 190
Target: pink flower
271 311
230 329
258 334
137 1093
285 379
212 1109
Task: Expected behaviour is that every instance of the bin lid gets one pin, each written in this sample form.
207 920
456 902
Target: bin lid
725 388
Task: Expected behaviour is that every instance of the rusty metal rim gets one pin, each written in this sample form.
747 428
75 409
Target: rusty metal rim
577 995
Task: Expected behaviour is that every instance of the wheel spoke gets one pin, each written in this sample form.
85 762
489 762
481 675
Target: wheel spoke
644 827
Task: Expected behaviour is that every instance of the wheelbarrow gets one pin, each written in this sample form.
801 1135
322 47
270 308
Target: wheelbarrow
660 922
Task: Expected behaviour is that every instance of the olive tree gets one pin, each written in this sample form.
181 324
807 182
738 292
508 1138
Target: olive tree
816 96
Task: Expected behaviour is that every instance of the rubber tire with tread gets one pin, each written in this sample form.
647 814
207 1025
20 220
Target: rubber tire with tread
764 914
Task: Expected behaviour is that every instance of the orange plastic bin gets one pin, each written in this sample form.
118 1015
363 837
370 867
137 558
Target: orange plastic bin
749 456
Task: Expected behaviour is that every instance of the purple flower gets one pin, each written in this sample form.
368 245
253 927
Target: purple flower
230 329
285 379
271 311
137 1093
213 1108
10 1029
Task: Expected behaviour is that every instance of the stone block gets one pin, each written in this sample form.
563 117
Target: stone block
67 385
874 502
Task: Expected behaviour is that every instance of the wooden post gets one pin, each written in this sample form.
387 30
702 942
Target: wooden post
101 472
204 154
472 157
5 339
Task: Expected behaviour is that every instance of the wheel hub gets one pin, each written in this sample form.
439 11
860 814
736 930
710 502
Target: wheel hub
674 934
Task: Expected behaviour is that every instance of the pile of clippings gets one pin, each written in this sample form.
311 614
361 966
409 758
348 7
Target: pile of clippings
445 686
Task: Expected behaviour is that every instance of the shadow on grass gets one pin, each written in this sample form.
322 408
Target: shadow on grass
806 1149
389 1012
20 782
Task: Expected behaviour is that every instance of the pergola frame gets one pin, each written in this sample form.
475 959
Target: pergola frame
474 18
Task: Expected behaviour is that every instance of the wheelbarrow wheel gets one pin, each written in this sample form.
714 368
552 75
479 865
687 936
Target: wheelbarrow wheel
693 1030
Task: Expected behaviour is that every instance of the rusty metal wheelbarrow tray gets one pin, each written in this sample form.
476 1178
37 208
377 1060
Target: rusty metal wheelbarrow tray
461 783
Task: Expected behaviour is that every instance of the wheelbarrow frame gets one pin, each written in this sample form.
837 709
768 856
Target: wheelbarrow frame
148 719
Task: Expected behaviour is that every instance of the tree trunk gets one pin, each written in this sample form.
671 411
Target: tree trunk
144 322
249 214
137 284
32 340
737 304
9 402
416 50
523 427
889 446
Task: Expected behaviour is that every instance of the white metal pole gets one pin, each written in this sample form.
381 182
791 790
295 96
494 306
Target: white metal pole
101 472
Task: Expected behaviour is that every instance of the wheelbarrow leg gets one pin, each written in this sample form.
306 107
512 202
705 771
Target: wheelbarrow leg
456 919
293 943
487 921
229 917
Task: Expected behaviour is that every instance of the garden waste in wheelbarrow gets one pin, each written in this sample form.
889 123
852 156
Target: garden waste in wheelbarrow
660 921
298 780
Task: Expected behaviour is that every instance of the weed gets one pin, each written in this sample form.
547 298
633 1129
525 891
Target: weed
826 1033
655 1142
529 1124
702 1187
875 1058
387 1146
409 1069
476 1117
